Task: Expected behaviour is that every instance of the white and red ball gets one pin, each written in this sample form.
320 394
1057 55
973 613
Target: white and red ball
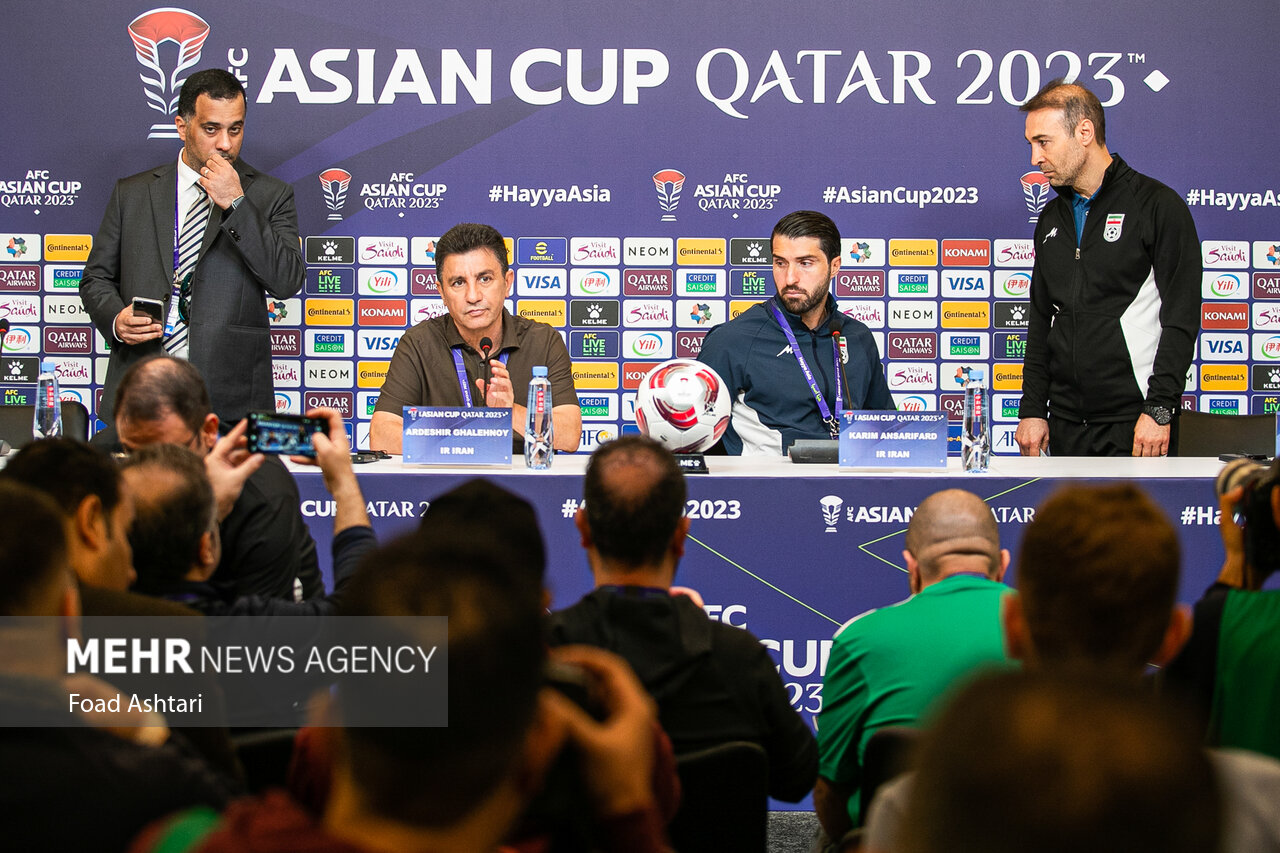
684 404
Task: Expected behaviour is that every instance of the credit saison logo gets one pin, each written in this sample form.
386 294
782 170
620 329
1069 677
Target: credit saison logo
63 278
328 343
598 407
963 346
913 283
913 253
1224 405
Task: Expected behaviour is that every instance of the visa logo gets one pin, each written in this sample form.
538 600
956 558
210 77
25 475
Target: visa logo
542 282
962 283
1225 347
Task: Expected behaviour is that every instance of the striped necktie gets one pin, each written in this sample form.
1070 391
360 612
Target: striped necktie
189 239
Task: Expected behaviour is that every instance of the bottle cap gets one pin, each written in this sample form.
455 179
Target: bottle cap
540 370
47 366
977 373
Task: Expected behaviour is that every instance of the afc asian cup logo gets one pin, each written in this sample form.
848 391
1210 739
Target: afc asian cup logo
187 31
831 506
1035 189
334 182
668 183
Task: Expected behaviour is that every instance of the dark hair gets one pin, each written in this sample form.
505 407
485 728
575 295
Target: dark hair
810 223
33 550
467 237
1077 104
171 515
433 777
482 511
1098 576
67 471
160 385
217 83
1059 764
634 492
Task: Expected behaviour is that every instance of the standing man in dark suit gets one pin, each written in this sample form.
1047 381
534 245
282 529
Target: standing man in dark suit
214 278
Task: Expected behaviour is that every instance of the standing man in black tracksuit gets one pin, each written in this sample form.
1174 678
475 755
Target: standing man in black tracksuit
1115 294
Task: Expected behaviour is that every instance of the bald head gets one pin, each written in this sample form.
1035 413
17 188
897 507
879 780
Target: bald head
635 492
160 386
954 531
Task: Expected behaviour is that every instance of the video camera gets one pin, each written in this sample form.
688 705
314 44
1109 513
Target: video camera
1253 511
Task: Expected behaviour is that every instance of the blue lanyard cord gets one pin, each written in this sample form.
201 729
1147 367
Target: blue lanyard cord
462 372
831 420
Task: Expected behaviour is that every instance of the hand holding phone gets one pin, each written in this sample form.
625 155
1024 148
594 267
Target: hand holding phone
153 308
283 434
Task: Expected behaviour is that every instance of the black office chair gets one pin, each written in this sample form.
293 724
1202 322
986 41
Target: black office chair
16 421
888 755
1206 434
724 802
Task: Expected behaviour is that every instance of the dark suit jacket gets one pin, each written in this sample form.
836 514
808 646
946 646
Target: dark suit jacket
248 254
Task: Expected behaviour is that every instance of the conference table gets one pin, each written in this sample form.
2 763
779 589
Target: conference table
791 551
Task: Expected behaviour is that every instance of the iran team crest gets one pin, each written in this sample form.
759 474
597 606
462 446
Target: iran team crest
1111 233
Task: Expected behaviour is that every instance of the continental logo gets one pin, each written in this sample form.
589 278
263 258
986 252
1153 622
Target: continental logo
1224 377
549 311
966 315
701 251
737 306
67 247
913 253
1006 377
371 374
594 374
330 312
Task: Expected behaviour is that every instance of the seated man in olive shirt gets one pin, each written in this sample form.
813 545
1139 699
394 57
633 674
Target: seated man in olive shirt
440 362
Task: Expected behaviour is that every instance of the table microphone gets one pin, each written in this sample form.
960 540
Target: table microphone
485 345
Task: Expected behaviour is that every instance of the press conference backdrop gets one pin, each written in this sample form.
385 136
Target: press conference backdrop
637 155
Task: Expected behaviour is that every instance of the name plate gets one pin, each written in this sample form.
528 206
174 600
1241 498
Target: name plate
875 439
454 436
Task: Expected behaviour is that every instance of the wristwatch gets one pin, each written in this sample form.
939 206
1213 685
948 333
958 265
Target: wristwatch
1162 415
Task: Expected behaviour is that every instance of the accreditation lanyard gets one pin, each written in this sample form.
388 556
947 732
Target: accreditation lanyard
462 372
833 425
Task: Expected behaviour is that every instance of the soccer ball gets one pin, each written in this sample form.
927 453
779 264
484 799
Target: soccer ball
683 404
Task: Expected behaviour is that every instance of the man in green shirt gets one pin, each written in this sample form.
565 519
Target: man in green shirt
889 665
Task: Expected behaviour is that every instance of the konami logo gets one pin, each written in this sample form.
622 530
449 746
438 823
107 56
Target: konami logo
383 312
633 373
1224 315
966 253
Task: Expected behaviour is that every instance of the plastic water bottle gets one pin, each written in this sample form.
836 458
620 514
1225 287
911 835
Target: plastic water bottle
48 419
538 433
975 434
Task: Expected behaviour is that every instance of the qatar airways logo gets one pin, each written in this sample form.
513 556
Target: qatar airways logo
187 31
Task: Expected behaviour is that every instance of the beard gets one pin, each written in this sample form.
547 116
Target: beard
801 305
